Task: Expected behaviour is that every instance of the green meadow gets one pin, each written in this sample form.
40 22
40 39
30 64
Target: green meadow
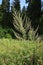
20 52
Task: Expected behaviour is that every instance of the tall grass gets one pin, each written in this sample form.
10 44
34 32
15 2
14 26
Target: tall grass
14 52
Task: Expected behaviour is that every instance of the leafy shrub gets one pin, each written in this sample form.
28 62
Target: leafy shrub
23 29
1 32
8 36
5 33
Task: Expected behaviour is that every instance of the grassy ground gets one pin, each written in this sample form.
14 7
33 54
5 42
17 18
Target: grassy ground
14 52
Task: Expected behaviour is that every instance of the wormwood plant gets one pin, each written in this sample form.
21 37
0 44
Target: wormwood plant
23 29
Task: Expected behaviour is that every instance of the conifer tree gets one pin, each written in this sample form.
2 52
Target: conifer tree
24 10
5 5
34 11
16 4
5 10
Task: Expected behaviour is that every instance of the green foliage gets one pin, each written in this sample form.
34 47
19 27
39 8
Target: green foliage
5 5
24 10
34 11
35 59
1 16
41 25
14 52
22 26
7 20
16 5
5 33
33 35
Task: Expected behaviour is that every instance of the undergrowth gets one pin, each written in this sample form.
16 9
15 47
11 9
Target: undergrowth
14 52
